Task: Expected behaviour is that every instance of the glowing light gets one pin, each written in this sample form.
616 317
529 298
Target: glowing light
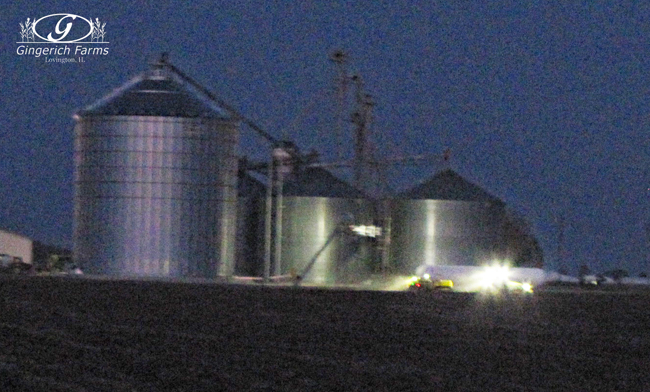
494 277
426 276
519 287
430 233
366 231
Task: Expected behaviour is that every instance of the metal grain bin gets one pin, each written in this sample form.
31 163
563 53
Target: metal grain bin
155 181
315 203
446 221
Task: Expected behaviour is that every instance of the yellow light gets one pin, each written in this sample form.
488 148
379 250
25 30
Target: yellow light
445 283
527 287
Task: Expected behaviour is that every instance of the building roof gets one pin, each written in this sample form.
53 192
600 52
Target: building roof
449 185
157 92
13 233
318 182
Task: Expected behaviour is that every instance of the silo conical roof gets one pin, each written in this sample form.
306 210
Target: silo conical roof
318 182
449 185
158 92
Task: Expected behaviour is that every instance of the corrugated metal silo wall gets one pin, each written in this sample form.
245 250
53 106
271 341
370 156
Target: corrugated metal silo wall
443 232
307 224
155 196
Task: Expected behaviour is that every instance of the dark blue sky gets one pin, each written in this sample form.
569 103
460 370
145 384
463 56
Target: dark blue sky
545 106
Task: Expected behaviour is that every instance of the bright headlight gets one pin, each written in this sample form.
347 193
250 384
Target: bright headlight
494 276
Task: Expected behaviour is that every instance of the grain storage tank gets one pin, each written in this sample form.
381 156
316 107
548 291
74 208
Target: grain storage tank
315 203
446 221
155 181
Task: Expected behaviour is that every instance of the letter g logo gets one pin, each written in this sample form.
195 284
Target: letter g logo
62 33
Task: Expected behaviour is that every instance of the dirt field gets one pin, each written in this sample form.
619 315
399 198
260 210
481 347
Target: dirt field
61 334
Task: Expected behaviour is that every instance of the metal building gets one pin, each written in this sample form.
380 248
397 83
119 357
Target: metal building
446 221
316 204
16 245
155 180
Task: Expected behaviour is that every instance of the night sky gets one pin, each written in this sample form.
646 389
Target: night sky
544 106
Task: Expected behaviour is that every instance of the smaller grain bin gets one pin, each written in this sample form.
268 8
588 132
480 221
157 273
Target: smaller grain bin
315 204
446 221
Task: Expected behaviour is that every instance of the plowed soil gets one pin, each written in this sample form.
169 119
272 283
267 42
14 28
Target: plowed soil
69 334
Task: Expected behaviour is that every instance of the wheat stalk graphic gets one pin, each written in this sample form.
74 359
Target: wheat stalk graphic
27 31
98 30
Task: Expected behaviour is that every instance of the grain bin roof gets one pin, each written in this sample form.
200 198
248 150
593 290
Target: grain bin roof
318 182
449 185
158 92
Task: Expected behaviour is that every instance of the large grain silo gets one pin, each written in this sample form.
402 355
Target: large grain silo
446 221
155 180
316 203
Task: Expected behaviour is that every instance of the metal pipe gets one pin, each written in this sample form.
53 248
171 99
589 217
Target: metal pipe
385 251
267 223
278 223
220 102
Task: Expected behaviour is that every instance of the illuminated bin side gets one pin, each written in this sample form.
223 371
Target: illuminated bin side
446 221
315 203
155 182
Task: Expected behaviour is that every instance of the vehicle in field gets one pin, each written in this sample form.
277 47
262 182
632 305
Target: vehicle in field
426 283
5 260
12 264
496 278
